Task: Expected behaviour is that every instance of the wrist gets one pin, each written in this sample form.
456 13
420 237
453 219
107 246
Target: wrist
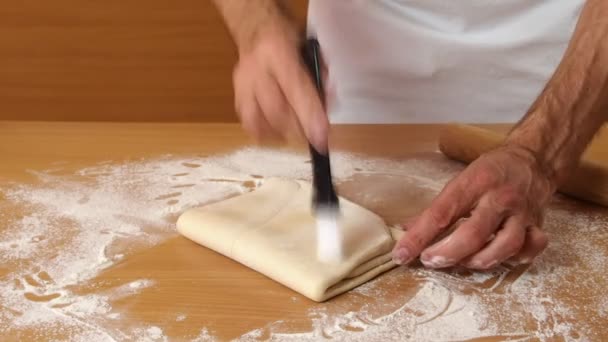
250 22
253 34
533 158
553 160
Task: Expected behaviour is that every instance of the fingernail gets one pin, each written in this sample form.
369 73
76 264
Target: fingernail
490 238
492 264
475 264
525 261
436 261
512 263
479 264
401 256
518 262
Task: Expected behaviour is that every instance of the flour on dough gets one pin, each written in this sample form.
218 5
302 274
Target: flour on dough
272 230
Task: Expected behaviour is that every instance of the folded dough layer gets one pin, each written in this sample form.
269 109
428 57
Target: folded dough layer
272 230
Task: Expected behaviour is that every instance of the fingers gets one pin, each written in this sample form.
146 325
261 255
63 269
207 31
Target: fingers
324 69
302 96
455 201
276 110
467 239
248 108
280 101
536 242
508 242
502 203
255 124
409 222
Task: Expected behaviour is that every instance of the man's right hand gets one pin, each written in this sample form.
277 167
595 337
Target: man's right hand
275 97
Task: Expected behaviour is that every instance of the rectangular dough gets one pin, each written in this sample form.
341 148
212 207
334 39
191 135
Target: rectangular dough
272 230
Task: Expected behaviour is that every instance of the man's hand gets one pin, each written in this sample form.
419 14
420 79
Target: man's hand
274 94
502 195
275 97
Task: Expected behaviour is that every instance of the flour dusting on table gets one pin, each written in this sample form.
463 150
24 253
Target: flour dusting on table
64 229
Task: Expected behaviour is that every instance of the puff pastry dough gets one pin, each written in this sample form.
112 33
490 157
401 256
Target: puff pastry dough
272 230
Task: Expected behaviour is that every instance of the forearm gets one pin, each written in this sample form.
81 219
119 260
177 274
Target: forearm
247 19
574 104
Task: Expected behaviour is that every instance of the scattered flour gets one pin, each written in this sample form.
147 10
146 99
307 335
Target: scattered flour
540 303
91 305
135 284
204 336
131 289
427 316
150 334
78 223
154 332
115 315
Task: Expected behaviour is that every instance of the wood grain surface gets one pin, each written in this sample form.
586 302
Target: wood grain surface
217 293
129 60
588 182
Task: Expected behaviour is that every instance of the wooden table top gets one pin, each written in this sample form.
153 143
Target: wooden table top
190 292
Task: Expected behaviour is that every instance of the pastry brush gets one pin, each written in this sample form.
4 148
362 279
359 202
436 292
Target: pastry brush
324 200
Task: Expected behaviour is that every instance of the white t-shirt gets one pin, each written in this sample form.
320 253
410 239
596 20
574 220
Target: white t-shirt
416 61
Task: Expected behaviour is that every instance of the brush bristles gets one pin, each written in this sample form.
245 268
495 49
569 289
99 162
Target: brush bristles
329 238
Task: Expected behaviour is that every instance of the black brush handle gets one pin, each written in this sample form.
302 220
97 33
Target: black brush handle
324 193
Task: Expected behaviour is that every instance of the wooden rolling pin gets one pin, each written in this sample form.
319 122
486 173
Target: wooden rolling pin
465 143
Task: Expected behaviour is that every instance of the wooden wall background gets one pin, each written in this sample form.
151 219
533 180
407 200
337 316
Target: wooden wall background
116 60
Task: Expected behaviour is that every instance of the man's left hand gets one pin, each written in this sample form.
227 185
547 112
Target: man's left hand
501 198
